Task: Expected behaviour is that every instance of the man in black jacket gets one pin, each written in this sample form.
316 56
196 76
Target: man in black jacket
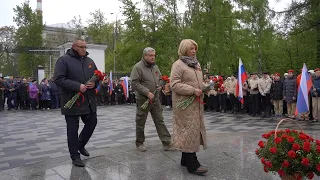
72 71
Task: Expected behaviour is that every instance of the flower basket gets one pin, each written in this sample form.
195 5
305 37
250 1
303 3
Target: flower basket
292 154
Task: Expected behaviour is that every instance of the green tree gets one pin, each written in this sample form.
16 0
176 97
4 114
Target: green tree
28 36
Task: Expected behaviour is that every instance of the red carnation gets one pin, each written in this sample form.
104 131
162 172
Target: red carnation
261 144
285 164
284 136
273 150
318 142
292 154
268 164
310 175
266 136
303 136
318 167
305 161
287 130
257 151
265 169
295 131
298 176
296 147
262 160
290 139
277 140
306 146
281 172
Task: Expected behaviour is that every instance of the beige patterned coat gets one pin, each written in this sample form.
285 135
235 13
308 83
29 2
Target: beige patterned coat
188 125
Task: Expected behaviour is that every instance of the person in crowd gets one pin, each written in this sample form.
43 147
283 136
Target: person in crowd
18 98
315 92
277 95
264 87
222 93
54 93
290 93
146 77
33 94
24 94
12 88
245 106
45 94
254 94
231 89
119 93
72 71
188 124
2 93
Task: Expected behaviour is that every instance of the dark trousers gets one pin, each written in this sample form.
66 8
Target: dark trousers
266 105
45 104
190 160
1 103
245 104
234 103
25 104
254 103
76 142
55 102
34 104
210 102
223 101
12 100
216 103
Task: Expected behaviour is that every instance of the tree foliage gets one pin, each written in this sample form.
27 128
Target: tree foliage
28 36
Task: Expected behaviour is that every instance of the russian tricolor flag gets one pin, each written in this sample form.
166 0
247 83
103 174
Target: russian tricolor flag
303 91
242 77
110 83
125 86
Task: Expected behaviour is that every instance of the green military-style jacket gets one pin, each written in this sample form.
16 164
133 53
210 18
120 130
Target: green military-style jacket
145 78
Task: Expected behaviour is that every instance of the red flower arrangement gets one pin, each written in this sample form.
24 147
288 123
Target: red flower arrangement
97 76
289 153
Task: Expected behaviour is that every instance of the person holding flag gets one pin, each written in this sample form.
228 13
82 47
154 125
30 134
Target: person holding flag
241 80
303 91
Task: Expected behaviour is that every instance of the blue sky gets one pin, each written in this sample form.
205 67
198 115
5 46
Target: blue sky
62 11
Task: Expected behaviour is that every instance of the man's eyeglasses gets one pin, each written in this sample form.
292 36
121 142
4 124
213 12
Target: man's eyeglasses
82 47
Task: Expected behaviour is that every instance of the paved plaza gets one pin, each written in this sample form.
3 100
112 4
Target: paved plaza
33 145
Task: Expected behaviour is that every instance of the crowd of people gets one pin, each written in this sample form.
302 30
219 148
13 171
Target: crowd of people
266 95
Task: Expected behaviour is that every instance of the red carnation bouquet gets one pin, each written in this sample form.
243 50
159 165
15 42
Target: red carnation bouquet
292 154
97 75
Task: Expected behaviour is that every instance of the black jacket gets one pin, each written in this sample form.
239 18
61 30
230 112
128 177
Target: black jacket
277 90
71 71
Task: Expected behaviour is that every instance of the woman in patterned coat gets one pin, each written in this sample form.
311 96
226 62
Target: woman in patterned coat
188 125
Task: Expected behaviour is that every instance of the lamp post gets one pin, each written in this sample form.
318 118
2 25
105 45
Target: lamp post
115 31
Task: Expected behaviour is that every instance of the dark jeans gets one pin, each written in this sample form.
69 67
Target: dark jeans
254 103
190 160
55 102
76 142
45 104
12 100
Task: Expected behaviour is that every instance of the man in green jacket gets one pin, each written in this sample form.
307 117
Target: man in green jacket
146 79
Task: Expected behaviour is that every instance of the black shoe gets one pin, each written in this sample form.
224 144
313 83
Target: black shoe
84 152
78 162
